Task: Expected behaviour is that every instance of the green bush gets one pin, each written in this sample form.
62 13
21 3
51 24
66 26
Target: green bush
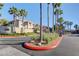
29 33
48 37
34 37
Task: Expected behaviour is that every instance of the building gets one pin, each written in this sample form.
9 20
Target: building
21 26
5 29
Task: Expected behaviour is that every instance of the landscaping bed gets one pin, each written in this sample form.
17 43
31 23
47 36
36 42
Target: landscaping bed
14 35
54 42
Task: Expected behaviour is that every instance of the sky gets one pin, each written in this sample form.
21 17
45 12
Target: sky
70 12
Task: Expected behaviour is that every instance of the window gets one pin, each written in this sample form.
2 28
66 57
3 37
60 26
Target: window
7 29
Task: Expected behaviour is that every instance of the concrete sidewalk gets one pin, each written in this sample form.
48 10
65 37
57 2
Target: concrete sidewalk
10 51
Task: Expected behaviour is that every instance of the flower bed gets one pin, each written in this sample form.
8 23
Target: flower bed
52 45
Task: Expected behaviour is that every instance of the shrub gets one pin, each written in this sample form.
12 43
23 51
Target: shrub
47 37
29 33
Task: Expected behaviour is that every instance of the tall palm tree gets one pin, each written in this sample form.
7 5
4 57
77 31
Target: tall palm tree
65 23
22 13
57 12
13 11
60 20
40 23
76 26
48 15
53 18
70 23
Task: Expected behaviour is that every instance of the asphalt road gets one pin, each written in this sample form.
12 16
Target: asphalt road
69 46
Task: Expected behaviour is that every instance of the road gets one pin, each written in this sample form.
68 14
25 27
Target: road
69 46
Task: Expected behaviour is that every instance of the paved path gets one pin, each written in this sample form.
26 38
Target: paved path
7 50
69 46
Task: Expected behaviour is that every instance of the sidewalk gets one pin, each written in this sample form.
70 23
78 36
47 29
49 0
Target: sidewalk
6 50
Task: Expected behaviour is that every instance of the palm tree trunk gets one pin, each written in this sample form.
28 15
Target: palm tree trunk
48 15
40 22
14 23
70 27
53 18
56 22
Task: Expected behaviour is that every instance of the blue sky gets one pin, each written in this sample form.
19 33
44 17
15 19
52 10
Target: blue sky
70 12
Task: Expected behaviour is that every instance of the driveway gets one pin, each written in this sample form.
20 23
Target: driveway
69 46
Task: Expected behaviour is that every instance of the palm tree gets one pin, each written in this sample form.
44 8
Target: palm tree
48 15
57 12
22 13
40 23
76 26
70 23
13 11
60 20
53 17
65 23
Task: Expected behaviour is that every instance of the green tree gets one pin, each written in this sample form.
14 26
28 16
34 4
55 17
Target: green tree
70 23
76 26
1 5
13 11
3 22
22 13
57 12
60 20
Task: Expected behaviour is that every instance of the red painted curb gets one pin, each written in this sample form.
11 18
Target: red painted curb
54 44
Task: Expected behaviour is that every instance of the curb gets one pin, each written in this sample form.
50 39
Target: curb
53 45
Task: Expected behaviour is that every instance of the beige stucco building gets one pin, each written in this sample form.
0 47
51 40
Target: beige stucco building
22 26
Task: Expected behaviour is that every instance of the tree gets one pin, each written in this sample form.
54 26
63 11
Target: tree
53 18
22 13
60 25
70 23
67 24
13 11
60 20
1 5
3 22
40 23
76 26
57 12
48 15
